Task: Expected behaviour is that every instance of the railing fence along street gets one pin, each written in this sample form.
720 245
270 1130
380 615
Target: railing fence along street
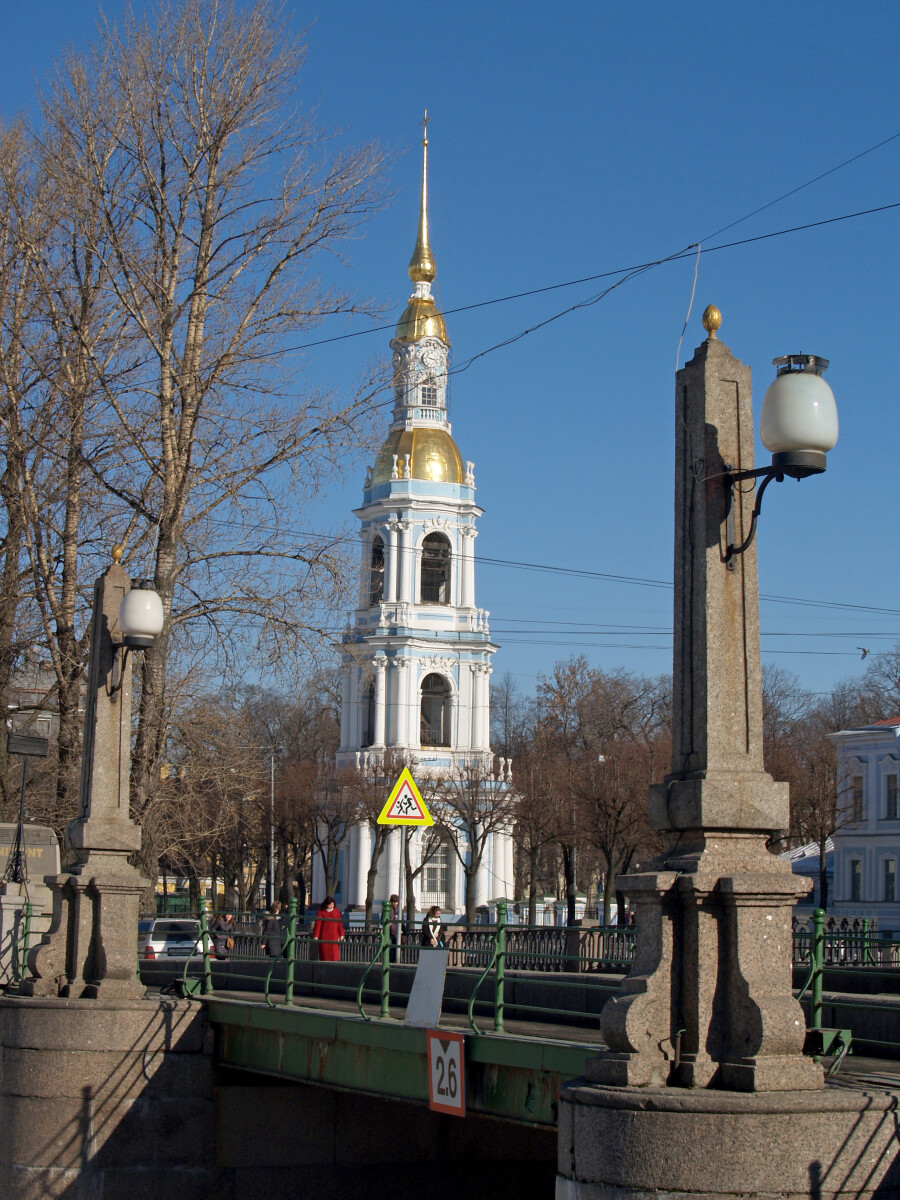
839 945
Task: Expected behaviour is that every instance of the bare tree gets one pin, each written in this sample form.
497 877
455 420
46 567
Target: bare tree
471 804
206 198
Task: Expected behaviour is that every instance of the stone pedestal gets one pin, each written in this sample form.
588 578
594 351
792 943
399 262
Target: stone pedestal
105 1099
667 1143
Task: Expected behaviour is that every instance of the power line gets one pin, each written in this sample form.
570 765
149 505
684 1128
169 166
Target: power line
576 572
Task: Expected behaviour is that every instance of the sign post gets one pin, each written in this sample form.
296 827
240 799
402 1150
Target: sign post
405 807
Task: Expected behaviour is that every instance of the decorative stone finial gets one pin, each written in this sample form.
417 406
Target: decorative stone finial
712 319
117 551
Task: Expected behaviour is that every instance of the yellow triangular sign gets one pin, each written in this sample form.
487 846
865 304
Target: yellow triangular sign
405 805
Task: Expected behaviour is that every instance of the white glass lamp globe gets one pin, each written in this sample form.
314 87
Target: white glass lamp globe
140 615
799 421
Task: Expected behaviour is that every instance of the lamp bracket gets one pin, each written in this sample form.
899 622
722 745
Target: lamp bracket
796 463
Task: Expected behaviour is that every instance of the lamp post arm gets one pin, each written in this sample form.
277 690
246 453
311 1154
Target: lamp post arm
732 478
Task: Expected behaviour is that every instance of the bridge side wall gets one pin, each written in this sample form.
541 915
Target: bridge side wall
105 1099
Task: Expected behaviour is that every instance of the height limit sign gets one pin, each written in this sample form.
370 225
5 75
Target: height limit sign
446 1081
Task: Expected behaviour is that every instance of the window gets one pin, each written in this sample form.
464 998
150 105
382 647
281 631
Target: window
435 570
856 797
376 572
434 724
890 879
437 878
890 797
855 879
429 394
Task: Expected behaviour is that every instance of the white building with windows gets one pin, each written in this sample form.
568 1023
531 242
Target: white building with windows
417 651
867 841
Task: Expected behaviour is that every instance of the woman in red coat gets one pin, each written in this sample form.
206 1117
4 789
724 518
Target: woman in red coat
328 931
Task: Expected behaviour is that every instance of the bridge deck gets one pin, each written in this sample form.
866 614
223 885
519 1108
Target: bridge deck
515 1075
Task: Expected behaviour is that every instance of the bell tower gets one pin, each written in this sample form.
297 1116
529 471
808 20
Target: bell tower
417 650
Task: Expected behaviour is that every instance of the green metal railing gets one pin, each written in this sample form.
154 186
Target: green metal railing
21 942
498 962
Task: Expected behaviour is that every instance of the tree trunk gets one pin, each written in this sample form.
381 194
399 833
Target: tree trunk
532 887
568 853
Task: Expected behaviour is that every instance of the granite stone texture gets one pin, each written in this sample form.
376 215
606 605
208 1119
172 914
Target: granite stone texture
95 1092
657 1142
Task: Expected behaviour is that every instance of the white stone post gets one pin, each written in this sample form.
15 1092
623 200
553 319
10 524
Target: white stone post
346 711
404 594
390 591
365 562
361 859
468 534
379 666
401 732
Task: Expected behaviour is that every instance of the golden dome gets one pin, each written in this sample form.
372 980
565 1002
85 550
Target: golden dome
421 319
433 456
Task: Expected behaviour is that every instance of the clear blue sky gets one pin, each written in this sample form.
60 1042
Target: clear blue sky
571 139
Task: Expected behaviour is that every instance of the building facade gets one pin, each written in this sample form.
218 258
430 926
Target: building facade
867 840
417 652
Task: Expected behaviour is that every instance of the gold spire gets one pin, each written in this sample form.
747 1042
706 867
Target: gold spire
421 265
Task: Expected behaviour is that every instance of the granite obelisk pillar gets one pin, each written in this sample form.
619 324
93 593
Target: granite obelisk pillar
90 949
709 1002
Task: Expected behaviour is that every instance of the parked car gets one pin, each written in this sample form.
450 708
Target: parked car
167 937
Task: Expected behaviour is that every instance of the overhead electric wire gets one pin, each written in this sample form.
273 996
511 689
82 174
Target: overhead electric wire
579 572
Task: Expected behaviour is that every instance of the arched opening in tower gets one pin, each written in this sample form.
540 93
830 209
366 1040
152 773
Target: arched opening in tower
435 712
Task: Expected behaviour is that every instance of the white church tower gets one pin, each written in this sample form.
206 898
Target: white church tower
417 651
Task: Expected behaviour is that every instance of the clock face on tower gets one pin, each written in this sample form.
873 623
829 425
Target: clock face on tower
432 359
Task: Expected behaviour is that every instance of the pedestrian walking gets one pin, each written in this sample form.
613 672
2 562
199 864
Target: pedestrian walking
394 927
328 930
273 931
222 931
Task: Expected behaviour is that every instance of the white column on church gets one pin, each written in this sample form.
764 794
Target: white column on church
482 875
413 703
390 591
346 743
355 735
379 665
404 591
468 534
510 871
479 679
361 861
401 734
365 555
485 707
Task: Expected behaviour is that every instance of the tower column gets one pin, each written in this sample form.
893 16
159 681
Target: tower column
379 665
361 860
365 553
345 706
401 731
468 534
413 702
390 591
404 549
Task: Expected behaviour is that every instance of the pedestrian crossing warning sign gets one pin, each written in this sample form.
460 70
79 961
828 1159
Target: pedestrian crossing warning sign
405 805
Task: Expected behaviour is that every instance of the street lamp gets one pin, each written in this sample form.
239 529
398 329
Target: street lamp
799 424
141 620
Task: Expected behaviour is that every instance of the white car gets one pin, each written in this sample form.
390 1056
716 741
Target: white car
167 937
